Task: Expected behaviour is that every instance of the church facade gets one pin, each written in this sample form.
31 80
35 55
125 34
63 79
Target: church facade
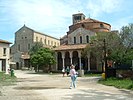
76 40
25 38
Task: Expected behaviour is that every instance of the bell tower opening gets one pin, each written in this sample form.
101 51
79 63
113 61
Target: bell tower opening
78 17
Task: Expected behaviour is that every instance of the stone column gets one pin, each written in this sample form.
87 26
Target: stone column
63 59
56 57
7 66
0 65
88 56
79 55
70 57
81 71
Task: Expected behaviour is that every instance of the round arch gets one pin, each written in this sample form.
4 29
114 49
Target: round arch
59 57
75 59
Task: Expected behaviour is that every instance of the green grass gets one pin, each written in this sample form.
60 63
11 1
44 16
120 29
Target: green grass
119 83
6 79
92 75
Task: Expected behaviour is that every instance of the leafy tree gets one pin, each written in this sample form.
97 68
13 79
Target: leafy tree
44 57
36 47
123 54
96 46
118 45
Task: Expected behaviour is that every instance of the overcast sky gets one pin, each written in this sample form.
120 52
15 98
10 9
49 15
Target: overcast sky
53 17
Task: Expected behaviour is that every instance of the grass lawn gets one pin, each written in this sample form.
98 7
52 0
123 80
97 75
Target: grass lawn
92 75
6 79
119 83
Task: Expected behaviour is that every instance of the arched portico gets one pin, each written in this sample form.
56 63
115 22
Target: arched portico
66 58
72 54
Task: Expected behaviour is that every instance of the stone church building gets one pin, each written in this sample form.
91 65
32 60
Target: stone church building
25 38
77 38
68 49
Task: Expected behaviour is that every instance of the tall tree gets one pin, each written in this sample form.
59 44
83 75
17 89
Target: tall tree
96 46
118 45
44 57
35 47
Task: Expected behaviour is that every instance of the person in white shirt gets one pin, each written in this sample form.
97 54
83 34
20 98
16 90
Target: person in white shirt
73 75
63 71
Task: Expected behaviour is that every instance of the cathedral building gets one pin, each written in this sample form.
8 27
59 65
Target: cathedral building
76 39
25 38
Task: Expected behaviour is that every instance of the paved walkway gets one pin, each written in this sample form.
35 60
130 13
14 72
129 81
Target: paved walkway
31 86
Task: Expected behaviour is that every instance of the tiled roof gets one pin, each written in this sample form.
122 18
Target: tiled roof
70 47
41 33
3 41
90 20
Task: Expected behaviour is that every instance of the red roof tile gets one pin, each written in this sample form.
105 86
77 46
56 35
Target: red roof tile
70 47
3 41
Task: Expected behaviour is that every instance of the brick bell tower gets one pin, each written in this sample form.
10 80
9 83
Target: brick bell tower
77 18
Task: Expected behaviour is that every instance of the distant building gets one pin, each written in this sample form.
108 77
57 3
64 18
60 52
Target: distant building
25 38
4 55
77 38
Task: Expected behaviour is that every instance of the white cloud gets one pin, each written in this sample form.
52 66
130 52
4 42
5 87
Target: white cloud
118 24
41 14
100 7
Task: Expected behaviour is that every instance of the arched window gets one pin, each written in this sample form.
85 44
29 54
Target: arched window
80 39
87 39
74 40
101 25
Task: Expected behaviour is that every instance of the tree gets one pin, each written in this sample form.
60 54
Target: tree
96 46
118 45
44 57
36 47
124 53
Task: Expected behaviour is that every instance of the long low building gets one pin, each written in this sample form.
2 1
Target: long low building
25 38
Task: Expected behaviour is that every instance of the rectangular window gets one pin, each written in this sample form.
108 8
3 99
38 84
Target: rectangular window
40 39
74 40
87 39
80 39
18 47
52 43
36 39
48 42
28 46
4 51
45 41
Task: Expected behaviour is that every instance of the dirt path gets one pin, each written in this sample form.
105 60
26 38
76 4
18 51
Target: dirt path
31 86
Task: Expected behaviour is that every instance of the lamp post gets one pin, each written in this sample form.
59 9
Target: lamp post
105 57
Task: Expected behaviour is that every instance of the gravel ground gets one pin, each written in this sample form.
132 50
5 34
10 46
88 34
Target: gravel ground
31 86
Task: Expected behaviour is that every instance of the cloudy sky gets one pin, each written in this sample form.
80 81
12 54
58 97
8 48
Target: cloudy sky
53 17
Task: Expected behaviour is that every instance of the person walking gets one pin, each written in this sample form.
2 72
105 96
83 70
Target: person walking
67 70
73 75
63 71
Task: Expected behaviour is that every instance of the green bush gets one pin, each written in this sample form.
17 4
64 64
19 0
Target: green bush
119 83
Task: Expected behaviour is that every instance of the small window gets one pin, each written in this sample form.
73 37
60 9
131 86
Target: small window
83 25
74 40
19 47
40 39
36 39
48 42
80 39
4 51
87 39
28 46
101 25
